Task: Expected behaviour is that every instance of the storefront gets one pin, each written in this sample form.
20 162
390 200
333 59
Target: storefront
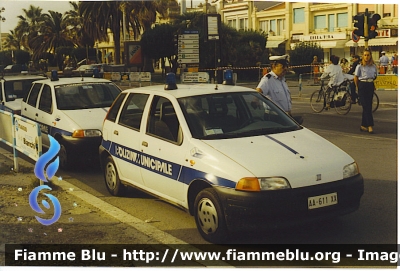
331 43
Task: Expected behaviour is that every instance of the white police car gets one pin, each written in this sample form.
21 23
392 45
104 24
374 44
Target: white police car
13 88
230 156
72 111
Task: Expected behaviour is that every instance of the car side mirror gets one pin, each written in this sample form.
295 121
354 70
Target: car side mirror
298 119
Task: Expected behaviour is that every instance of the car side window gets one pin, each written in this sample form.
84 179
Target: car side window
34 95
163 121
132 112
45 102
113 111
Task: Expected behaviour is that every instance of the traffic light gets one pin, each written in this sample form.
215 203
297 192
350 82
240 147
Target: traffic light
359 25
373 25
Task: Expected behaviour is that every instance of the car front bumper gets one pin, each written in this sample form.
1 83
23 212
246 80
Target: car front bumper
288 206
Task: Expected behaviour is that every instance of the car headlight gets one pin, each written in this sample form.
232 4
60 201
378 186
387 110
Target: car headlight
350 170
86 133
261 184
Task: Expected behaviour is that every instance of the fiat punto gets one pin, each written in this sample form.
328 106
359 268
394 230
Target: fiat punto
229 156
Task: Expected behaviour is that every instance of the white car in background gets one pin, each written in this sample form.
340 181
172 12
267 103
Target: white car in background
72 111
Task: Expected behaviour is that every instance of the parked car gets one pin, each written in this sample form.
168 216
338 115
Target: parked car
72 111
80 71
13 88
15 68
230 157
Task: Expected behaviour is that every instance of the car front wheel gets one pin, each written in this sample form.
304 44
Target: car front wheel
209 217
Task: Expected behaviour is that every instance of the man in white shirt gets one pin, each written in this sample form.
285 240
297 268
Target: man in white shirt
273 84
333 72
384 61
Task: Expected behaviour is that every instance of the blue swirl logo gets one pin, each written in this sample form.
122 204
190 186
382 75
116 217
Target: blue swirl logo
35 206
46 158
40 168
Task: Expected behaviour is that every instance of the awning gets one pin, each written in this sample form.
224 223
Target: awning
374 42
273 43
326 44
331 43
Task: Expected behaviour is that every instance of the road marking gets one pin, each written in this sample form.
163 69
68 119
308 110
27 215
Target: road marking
128 219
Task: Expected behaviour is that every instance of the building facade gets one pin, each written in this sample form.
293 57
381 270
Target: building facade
328 24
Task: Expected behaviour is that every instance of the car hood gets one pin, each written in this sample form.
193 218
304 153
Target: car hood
87 118
299 156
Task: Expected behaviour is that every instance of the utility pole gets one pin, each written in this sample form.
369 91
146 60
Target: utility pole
366 32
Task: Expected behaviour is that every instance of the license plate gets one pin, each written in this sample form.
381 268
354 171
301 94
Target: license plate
322 201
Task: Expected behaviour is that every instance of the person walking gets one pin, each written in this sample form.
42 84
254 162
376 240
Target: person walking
384 62
273 85
364 77
315 69
395 63
353 94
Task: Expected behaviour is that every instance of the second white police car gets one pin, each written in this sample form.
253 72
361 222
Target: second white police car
72 111
229 156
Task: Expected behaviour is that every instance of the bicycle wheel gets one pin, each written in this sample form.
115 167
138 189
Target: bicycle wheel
375 102
343 108
317 101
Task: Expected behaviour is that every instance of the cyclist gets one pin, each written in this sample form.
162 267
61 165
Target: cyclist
333 72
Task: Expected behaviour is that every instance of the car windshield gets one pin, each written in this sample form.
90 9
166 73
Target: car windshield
232 115
84 96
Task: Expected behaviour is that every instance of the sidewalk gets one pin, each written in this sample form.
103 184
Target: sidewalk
83 219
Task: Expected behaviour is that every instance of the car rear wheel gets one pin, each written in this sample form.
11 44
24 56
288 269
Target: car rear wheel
111 177
209 217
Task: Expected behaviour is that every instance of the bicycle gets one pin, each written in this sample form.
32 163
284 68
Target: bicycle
375 102
328 97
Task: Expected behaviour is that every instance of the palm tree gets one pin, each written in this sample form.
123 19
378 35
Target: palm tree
74 25
13 40
28 25
52 34
98 18
142 15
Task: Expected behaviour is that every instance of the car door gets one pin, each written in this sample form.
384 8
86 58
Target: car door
45 113
163 151
125 135
29 110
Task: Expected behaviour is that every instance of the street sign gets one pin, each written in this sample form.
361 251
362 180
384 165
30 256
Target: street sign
354 37
188 46
180 41
188 56
188 37
188 60
188 51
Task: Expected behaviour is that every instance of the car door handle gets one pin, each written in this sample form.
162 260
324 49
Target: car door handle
144 143
115 132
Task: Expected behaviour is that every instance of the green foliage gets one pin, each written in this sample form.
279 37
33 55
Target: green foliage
303 54
235 48
21 57
5 57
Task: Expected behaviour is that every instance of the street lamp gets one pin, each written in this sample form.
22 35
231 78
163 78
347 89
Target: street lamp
2 19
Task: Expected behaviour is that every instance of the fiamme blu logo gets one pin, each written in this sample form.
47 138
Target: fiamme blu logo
43 168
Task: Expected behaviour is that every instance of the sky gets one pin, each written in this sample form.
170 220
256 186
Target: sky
13 8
